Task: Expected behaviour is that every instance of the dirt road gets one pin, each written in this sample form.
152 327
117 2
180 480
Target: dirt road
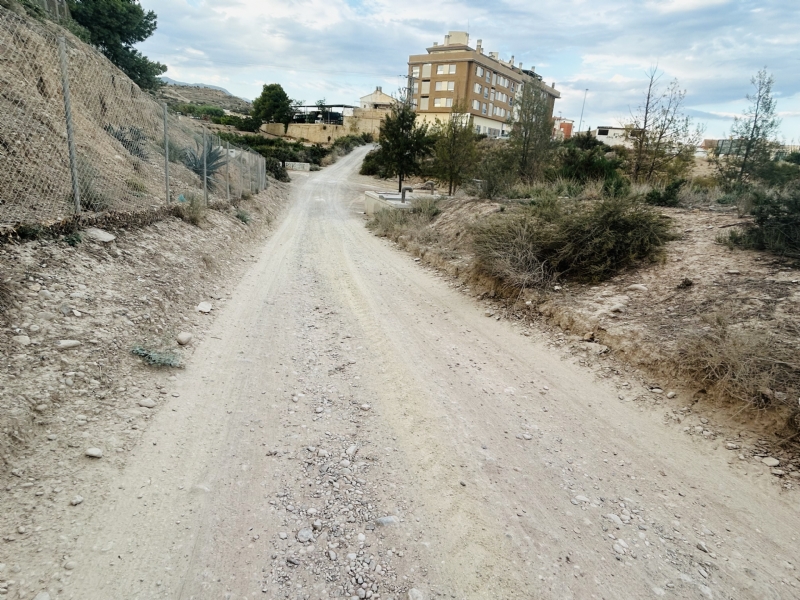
351 399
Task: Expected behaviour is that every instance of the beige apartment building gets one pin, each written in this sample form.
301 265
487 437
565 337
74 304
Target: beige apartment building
453 72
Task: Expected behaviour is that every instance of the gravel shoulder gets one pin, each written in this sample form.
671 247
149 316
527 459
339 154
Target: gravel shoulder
352 425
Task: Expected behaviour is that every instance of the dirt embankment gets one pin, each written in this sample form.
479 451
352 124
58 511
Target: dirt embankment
704 303
189 94
76 313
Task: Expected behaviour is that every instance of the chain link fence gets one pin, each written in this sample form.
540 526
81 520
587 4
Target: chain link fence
77 136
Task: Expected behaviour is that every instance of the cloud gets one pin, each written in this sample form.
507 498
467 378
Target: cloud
341 49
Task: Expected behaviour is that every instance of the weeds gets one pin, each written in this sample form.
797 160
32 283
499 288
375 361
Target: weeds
750 367
192 210
583 241
776 222
427 207
157 358
73 239
668 196
243 216
137 186
6 296
132 139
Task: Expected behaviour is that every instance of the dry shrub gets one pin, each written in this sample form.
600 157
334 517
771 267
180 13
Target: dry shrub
411 223
208 261
193 210
574 239
747 366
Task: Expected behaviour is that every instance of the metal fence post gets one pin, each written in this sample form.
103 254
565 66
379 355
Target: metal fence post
249 173
241 173
166 152
205 168
73 159
228 172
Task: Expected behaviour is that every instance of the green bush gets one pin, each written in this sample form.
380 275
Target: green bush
426 207
776 222
373 165
132 139
276 169
243 216
580 240
668 196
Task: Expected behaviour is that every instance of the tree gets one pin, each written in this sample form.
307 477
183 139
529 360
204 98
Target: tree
455 151
403 143
664 140
532 131
274 106
752 137
114 26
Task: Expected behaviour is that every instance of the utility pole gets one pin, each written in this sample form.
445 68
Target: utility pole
410 91
582 107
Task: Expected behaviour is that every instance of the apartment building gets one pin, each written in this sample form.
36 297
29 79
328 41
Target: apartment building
454 72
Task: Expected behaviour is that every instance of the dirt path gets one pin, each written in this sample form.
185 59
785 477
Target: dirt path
342 384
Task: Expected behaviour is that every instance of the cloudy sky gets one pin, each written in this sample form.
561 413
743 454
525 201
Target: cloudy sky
341 49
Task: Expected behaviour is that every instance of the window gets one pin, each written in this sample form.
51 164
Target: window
483 110
602 132
488 76
445 69
426 71
423 104
416 87
476 104
445 86
479 71
494 79
426 87
478 88
415 71
512 87
485 92
452 69
511 102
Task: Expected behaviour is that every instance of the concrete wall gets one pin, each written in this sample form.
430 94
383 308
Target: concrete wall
362 121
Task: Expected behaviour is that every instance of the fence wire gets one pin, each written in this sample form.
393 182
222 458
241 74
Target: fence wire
119 135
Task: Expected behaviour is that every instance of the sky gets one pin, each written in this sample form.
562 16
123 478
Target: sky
341 50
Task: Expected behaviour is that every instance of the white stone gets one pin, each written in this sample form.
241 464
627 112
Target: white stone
22 340
94 452
415 594
770 462
204 307
184 338
147 403
67 344
98 235
637 287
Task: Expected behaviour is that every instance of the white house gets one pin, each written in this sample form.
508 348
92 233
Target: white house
377 100
614 136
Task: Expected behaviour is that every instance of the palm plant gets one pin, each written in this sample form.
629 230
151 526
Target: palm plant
215 158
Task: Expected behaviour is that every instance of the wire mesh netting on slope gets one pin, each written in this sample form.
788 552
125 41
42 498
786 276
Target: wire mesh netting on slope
113 159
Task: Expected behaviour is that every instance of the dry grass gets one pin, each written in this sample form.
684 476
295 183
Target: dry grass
750 367
6 297
193 210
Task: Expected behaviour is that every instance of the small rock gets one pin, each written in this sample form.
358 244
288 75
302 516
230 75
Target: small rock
184 337
582 499
619 549
365 407
283 535
147 403
732 446
76 500
386 521
42 596
331 554
98 235
22 340
204 307
344 463
317 525
702 546
415 594
362 538
618 308
67 344
778 472
527 436
637 287
614 519
352 450
770 461
70 565
94 452
489 313
305 535
671 395
657 390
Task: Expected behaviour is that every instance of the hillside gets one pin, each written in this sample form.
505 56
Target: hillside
195 94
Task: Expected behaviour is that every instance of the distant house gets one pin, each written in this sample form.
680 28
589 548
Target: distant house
377 100
562 128
615 136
